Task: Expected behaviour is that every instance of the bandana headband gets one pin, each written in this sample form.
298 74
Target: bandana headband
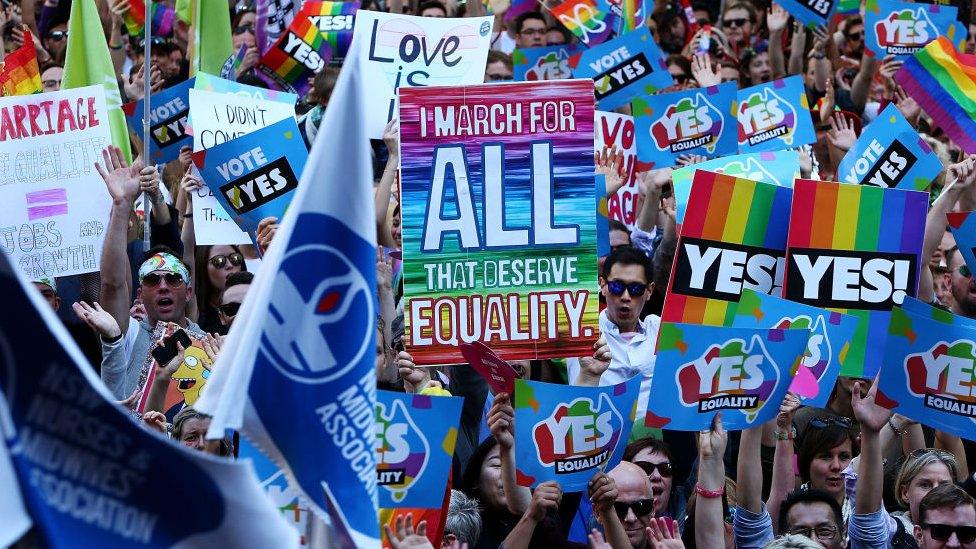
164 262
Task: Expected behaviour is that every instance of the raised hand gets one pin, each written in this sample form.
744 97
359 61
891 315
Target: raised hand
414 379
546 496
841 134
267 228
711 443
784 419
391 137
776 18
610 164
155 420
404 536
663 534
603 492
703 72
501 421
868 413
149 182
121 179
97 318
963 173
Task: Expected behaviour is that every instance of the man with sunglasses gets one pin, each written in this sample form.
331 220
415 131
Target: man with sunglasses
947 518
233 295
634 504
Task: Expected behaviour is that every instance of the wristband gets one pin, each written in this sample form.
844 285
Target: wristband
188 216
898 432
710 494
788 435
111 339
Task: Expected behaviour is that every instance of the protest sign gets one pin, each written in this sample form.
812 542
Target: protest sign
617 130
890 153
211 83
168 119
296 56
928 372
775 115
499 374
547 63
335 20
624 68
855 249
415 437
591 21
963 226
602 216
900 29
404 51
917 307
567 433
217 118
744 373
275 486
494 248
812 13
830 338
733 237
186 382
697 121
55 205
229 69
255 176
773 167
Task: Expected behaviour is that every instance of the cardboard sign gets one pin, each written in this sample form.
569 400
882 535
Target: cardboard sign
494 248
617 130
568 434
701 370
335 20
211 83
812 13
917 307
902 28
773 167
55 205
733 238
928 372
890 153
168 121
275 485
255 176
963 226
855 249
624 68
548 63
499 374
774 115
591 21
415 438
298 54
405 51
698 121
830 339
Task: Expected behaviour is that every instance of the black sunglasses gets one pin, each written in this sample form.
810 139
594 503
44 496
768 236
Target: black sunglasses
641 507
942 532
153 279
855 36
617 288
736 22
824 422
244 28
57 36
964 271
499 77
663 468
230 309
218 261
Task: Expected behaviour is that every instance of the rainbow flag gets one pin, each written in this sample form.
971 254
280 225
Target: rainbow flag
589 20
865 243
634 15
943 82
20 74
337 21
162 18
730 221
291 72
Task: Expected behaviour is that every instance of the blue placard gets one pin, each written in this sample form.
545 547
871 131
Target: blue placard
902 28
774 167
567 433
415 438
963 226
917 307
929 372
548 63
255 175
890 153
169 111
701 370
774 115
811 13
830 337
697 121
624 68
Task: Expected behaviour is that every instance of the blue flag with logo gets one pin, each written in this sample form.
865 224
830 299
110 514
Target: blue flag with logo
775 115
89 474
255 175
415 438
167 121
624 68
902 28
890 153
928 372
811 13
547 63
298 364
917 307
568 433
697 121
701 370
830 338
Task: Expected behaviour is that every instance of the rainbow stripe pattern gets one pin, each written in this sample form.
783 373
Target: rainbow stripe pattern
589 20
724 209
20 74
339 38
840 216
290 74
943 82
162 18
633 14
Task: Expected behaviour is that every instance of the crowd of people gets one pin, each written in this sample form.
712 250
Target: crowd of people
851 474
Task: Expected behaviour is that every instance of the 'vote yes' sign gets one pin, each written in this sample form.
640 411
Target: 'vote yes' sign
774 115
624 68
855 249
167 121
901 28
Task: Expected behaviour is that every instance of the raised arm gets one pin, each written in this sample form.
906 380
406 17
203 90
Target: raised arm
381 200
960 178
777 19
501 422
797 44
709 522
783 479
545 497
870 476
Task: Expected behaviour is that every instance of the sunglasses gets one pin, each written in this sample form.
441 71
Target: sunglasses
243 28
641 507
680 78
499 77
824 422
230 309
153 279
218 261
617 288
737 22
964 271
942 532
855 36
57 36
663 468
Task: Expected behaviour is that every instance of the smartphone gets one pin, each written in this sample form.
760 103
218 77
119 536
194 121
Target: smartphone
168 350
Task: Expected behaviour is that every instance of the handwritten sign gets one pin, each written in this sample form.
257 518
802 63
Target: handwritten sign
617 130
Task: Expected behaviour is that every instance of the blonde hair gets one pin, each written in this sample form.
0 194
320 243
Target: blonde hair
918 460
792 541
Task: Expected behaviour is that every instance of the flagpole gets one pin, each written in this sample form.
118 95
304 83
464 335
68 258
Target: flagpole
146 91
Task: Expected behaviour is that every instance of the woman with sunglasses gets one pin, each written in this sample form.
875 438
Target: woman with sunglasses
654 458
212 266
